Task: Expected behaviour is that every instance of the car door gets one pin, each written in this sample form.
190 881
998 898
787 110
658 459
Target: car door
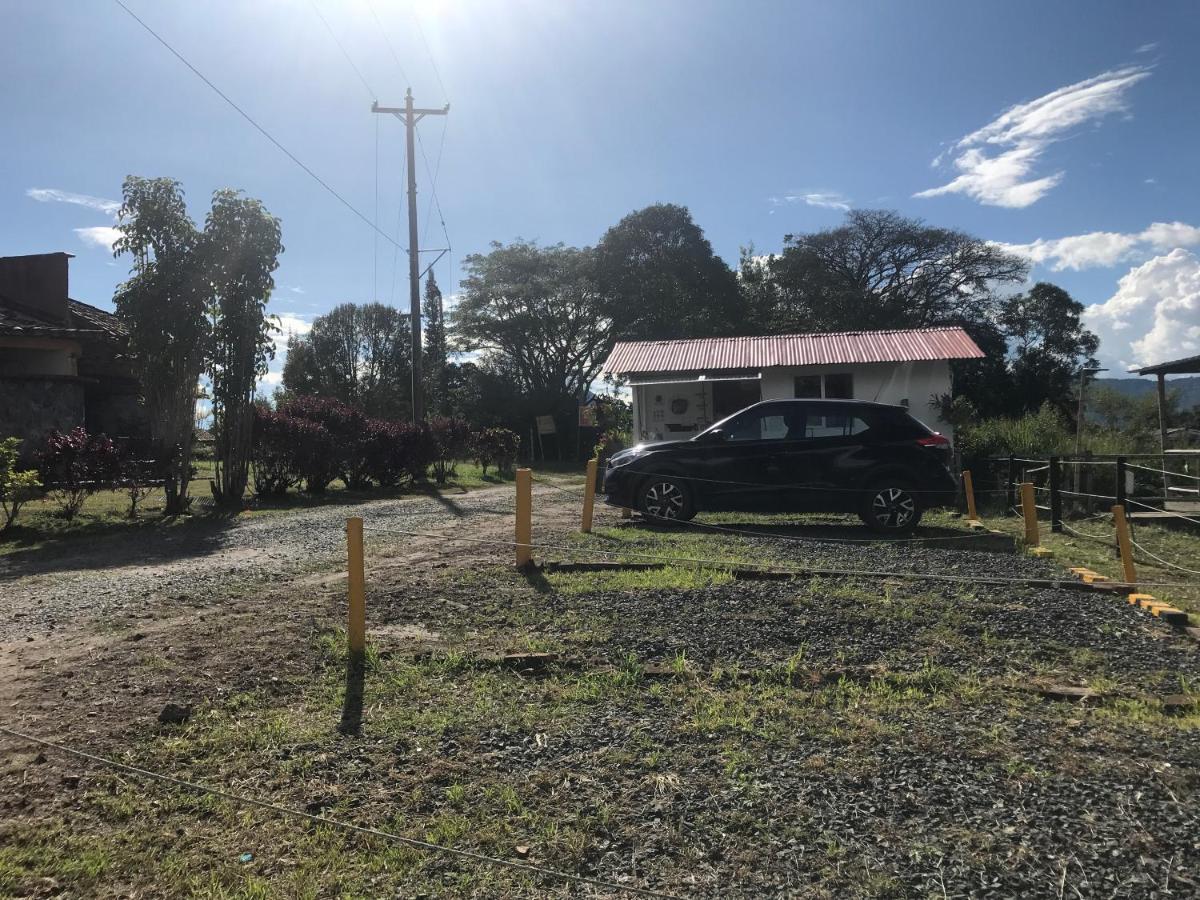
823 470
740 469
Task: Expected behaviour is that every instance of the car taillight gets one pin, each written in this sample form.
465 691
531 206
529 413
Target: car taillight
934 440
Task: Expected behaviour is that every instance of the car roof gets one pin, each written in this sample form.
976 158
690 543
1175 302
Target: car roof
822 401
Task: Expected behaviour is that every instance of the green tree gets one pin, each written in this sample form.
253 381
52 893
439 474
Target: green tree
436 350
240 250
877 270
163 304
661 279
357 353
539 319
1048 346
17 487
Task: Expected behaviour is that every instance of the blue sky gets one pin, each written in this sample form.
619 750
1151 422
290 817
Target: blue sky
1068 130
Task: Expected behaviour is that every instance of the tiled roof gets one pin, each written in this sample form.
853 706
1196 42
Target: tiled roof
85 321
704 354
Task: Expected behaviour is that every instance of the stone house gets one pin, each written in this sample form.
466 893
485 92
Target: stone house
62 362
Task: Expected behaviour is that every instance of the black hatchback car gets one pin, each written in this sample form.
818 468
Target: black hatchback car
843 456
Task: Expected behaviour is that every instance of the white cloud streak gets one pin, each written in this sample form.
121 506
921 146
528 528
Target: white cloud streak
822 199
1103 249
997 162
54 195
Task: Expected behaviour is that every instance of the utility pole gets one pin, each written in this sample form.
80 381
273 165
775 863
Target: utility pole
410 116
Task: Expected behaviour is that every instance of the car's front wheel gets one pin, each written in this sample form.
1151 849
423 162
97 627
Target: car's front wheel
662 498
891 508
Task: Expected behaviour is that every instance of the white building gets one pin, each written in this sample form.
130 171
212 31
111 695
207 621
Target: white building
681 387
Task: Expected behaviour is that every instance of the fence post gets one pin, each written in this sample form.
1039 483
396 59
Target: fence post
356 625
524 532
1120 495
1055 497
969 492
1029 509
626 512
1010 496
1124 544
589 497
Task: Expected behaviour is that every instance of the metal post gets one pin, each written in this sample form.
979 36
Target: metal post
1120 493
1124 544
356 624
969 492
1029 509
589 497
1055 497
524 530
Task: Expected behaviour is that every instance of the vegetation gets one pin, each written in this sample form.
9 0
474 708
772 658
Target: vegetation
241 249
17 487
74 465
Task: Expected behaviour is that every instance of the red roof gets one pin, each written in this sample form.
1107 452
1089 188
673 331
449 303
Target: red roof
703 354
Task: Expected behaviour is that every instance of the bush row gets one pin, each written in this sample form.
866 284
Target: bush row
310 441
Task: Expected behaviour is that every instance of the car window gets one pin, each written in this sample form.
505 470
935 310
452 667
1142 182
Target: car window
835 425
766 425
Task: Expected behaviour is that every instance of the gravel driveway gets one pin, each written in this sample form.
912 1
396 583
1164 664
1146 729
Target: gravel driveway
207 559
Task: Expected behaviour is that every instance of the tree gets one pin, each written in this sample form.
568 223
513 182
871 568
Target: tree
358 354
240 250
17 487
163 304
437 357
539 318
877 270
1048 346
661 278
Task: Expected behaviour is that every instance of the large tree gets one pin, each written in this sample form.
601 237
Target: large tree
537 315
1048 346
436 349
877 270
661 278
240 250
357 353
163 304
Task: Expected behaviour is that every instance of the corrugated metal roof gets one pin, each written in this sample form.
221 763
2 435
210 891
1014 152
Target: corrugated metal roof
836 348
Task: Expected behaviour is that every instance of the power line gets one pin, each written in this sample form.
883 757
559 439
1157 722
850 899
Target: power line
333 35
245 115
335 823
387 40
432 61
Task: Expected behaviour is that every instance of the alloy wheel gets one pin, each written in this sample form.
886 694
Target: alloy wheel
664 500
893 508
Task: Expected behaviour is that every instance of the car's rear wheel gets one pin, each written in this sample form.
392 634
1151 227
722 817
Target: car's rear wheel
891 507
662 498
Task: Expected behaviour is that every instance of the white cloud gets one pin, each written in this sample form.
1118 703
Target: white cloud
997 161
1154 316
1101 249
296 290
54 195
99 236
1147 48
289 324
823 199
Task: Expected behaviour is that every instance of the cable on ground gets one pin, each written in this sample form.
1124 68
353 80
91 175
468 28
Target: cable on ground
334 823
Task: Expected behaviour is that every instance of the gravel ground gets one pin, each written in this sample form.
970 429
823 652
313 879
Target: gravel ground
206 560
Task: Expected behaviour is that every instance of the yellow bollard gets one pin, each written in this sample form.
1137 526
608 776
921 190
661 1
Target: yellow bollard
1029 509
589 497
969 490
356 626
1124 544
524 534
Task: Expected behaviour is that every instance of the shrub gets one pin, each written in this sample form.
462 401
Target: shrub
16 488
136 478
495 447
275 452
610 442
383 447
75 465
451 441
1036 435
317 459
345 427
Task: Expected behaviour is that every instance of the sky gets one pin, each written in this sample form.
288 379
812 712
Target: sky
1067 131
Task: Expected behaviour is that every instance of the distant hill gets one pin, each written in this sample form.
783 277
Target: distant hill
1188 387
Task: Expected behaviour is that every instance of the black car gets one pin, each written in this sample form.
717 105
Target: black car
844 456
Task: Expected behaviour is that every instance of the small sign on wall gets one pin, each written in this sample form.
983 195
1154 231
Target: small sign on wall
545 425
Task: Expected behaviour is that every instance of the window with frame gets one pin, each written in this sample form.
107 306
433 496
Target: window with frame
830 386
765 425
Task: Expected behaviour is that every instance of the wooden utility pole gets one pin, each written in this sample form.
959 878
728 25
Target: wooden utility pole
410 116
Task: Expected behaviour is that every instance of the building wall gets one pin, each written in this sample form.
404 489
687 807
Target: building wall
31 406
913 383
